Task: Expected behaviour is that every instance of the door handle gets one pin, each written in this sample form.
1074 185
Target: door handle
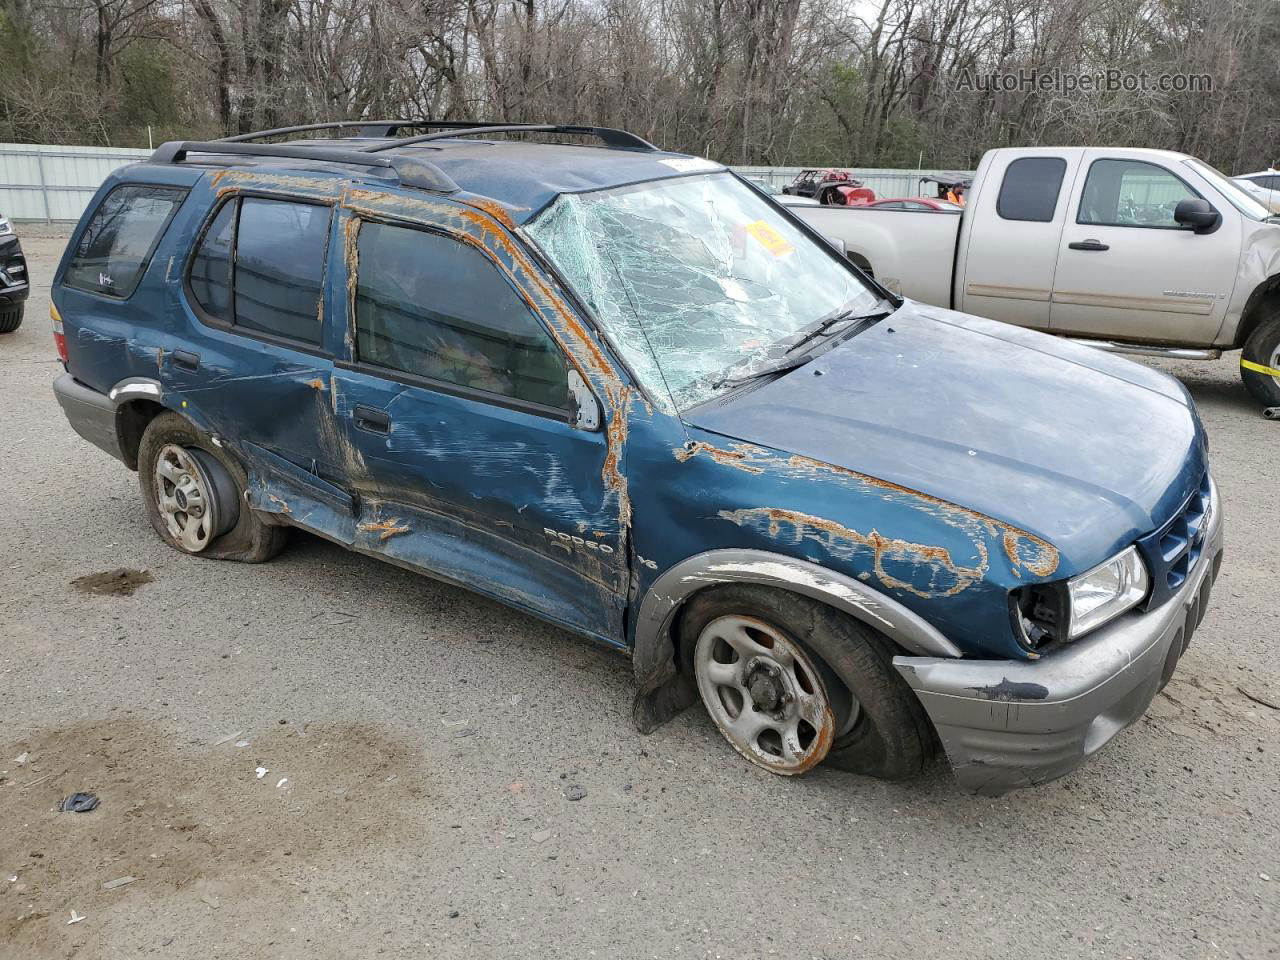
185 360
1088 245
371 419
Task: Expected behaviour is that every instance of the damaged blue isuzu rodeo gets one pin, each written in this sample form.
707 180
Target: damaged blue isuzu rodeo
621 390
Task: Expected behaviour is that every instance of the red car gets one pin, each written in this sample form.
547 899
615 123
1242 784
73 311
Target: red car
914 203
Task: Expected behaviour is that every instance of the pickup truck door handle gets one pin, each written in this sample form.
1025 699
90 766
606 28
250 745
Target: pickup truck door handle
185 360
371 419
1088 245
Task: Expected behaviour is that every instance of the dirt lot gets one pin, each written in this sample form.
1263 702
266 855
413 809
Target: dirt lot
420 744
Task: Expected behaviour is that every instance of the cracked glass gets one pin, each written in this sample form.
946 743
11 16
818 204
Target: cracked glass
694 279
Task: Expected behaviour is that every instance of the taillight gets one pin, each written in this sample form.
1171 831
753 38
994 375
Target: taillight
59 339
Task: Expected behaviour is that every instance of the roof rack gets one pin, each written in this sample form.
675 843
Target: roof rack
412 171
367 128
610 136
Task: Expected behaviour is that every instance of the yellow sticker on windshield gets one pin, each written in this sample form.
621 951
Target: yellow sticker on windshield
769 238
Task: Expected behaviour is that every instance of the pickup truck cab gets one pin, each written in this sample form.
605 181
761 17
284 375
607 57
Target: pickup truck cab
1133 251
621 390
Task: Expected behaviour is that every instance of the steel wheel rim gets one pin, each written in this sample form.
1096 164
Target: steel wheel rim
185 498
765 694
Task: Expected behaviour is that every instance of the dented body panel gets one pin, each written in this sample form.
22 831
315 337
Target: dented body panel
911 477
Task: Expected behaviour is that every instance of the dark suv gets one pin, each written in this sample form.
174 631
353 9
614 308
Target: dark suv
621 390
14 284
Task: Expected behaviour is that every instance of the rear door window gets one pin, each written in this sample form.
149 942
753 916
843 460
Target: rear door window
1030 189
430 307
279 272
259 266
116 245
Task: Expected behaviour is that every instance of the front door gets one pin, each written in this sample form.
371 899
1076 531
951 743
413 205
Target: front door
1128 271
456 401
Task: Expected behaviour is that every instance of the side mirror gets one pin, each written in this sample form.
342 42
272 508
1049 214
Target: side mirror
584 408
1197 215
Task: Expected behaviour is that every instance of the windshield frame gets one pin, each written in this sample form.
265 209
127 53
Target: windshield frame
606 336
1232 192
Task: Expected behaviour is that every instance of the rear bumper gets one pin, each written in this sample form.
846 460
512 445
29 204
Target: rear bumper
1007 724
90 413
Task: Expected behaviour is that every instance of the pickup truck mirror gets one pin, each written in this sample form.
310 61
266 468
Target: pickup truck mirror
1197 215
584 408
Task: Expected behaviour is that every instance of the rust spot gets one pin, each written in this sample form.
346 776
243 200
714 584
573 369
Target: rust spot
730 458
840 540
283 505
386 529
494 209
616 439
316 384
1025 550
160 359
230 179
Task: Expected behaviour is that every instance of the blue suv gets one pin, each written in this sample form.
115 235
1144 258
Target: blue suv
621 390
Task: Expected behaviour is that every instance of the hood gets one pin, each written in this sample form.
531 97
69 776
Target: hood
1082 448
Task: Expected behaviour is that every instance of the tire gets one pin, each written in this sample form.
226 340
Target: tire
887 735
11 318
232 531
1263 350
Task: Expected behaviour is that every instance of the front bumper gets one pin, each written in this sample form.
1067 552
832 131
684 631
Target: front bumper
1007 724
15 286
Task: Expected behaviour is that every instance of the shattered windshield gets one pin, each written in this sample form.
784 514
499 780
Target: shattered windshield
693 277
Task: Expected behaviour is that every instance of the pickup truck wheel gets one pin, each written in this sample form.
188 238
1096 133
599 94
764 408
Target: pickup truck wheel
1262 354
10 318
194 493
791 682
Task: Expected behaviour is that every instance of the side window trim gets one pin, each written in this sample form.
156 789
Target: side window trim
230 326
151 251
1130 226
359 364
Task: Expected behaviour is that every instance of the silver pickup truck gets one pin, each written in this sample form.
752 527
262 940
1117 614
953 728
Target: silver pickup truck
1132 251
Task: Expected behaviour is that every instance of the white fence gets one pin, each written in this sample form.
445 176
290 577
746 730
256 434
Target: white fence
53 183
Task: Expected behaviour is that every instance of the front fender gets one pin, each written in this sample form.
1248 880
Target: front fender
664 690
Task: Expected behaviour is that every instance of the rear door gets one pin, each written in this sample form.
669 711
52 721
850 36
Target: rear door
259 372
456 401
1009 244
1127 270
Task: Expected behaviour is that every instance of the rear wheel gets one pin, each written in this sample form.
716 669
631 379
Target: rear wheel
11 317
1260 363
790 682
194 495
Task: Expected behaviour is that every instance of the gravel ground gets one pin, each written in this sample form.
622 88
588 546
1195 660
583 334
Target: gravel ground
421 745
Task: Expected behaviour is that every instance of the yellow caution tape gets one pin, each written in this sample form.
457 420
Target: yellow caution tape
1259 368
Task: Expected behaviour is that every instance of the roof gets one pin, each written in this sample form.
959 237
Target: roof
523 176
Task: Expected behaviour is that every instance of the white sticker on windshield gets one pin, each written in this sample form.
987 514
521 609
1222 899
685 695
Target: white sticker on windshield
690 164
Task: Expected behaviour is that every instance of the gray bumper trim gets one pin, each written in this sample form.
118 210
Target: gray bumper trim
1017 723
90 413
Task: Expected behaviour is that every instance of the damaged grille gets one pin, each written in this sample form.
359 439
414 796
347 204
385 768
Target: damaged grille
1173 551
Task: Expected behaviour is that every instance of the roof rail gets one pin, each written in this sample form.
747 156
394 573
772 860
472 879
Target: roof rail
367 128
412 171
610 136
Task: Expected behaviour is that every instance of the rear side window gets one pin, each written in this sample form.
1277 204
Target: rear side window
434 308
116 246
260 267
1131 193
1030 189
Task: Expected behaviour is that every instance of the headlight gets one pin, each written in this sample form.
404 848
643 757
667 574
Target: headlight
6 227
1106 591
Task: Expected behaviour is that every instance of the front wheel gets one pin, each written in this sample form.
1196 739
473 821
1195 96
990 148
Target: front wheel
1260 363
791 682
11 317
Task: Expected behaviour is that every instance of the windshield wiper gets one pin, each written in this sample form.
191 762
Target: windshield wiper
847 316
782 366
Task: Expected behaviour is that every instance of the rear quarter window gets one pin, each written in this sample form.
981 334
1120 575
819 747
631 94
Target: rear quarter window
1030 189
115 247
